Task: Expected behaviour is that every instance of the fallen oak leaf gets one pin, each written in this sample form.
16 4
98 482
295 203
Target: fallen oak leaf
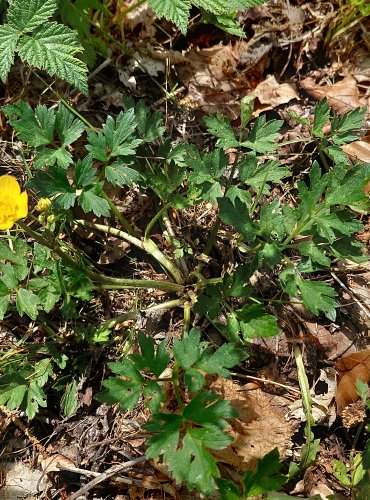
350 368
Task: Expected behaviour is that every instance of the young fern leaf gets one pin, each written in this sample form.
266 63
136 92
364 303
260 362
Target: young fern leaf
46 45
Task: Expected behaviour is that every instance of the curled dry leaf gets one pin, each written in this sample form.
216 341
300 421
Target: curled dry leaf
271 93
350 368
342 96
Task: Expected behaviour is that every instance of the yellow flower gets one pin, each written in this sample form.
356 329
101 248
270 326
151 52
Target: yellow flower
13 203
43 205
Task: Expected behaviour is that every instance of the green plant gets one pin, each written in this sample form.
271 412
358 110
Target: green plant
81 16
221 13
69 163
40 42
350 13
182 438
354 475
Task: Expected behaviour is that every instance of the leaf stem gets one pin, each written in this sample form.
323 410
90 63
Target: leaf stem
122 219
157 216
147 245
111 283
111 323
308 453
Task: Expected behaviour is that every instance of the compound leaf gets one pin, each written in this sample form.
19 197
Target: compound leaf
8 43
34 128
227 356
91 201
176 11
219 126
68 127
155 360
187 350
53 47
26 16
263 135
27 303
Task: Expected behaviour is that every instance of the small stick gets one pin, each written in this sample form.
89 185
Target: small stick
266 381
352 294
106 475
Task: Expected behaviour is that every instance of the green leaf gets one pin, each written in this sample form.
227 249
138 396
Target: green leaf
316 253
271 254
154 396
12 392
36 128
8 43
208 304
176 11
85 172
119 174
27 303
69 400
194 380
4 303
219 126
340 473
187 350
198 466
271 221
263 135
155 360
246 110
91 201
236 213
43 371
52 47
318 296
266 477
149 124
258 176
226 22
68 127
25 17
97 146
342 126
55 184
119 134
206 408
322 114
254 322
124 392
227 356
35 397
166 430
331 225
227 489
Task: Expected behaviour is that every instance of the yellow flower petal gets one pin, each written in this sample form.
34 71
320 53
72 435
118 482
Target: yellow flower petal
13 203
22 205
9 186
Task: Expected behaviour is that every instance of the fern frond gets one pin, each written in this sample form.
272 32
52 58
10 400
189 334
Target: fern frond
8 42
26 16
52 47
176 11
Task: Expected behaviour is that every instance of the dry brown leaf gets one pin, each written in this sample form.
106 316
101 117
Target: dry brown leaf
259 428
350 368
359 150
342 96
273 93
